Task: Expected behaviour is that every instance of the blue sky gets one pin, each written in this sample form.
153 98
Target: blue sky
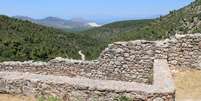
105 10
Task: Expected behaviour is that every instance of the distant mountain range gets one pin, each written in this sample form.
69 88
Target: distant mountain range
75 24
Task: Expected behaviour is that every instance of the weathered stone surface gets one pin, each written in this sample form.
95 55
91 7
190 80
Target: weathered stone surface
84 89
184 52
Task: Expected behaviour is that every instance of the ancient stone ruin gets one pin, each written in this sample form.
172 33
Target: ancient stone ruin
138 70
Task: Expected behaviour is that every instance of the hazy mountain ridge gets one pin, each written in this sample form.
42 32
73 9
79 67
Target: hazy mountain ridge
75 24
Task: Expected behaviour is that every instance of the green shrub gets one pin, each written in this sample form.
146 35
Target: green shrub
50 98
123 98
42 98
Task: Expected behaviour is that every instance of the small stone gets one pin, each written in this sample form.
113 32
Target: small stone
199 44
119 50
126 54
158 99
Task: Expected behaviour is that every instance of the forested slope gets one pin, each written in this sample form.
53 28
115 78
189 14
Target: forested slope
23 40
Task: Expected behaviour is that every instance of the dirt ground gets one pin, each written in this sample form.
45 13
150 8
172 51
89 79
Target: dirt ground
187 82
188 85
6 97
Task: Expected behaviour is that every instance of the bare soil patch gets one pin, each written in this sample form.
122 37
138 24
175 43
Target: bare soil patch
188 85
8 97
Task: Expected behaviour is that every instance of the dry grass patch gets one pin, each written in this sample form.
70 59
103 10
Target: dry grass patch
188 85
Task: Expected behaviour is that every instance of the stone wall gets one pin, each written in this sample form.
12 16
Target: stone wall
124 61
182 51
83 89
128 60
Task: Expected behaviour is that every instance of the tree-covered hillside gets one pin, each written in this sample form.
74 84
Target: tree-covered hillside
182 21
23 40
